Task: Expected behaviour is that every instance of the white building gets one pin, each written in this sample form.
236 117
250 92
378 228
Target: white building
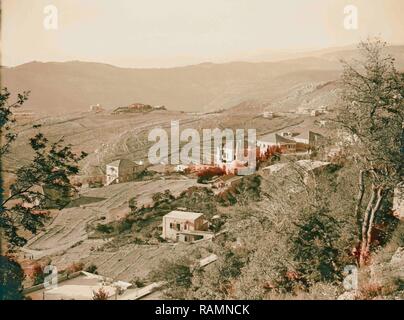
268 115
181 168
96 108
315 113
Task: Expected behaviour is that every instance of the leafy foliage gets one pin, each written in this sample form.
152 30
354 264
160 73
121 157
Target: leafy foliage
42 183
11 278
372 120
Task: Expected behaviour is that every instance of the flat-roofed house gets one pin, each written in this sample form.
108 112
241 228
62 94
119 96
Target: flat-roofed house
122 171
185 226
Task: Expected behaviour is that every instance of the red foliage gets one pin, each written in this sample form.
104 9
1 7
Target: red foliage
271 152
101 294
211 172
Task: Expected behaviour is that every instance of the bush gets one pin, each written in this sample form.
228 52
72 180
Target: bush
104 228
11 278
209 173
38 274
138 283
92 268
175 273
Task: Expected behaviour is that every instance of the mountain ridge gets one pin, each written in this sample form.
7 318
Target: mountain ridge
64 87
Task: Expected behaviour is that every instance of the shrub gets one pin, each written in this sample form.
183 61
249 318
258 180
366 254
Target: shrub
104 228
92 268
11 278
37 274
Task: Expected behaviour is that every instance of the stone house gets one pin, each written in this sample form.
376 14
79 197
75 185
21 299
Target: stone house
121 171
185 226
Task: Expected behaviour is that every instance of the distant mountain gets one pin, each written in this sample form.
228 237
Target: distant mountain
74 86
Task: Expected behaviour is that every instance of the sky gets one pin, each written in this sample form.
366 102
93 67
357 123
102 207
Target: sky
167 33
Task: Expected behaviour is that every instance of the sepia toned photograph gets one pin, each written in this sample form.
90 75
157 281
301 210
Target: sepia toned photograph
215 150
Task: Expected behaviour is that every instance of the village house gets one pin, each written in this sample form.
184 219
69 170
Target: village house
181 168
308 140
323 109
268 115
290 142
315 113
185 226
84 285
283 140
123 170
96 108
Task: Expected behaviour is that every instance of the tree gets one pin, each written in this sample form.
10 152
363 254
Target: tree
11 278
37 274
176 275
372 116
44 180
208 173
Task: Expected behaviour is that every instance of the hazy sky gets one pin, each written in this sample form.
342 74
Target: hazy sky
162 33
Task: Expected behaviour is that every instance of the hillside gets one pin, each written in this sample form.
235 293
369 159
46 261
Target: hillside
74 86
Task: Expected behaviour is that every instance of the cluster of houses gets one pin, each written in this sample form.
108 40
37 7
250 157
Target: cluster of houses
230 160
